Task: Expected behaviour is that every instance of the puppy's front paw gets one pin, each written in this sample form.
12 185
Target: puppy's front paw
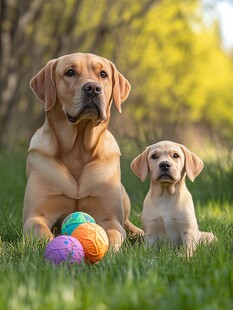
208 237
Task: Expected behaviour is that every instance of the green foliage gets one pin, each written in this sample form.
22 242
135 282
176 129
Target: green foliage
180 75
179 72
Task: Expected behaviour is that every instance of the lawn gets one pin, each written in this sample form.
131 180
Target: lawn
136 277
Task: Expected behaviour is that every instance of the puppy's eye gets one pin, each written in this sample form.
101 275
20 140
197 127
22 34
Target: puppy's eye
154 156
175 155
70 72
103 74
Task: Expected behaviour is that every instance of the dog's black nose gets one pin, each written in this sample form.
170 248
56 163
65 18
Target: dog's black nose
92 89
165 165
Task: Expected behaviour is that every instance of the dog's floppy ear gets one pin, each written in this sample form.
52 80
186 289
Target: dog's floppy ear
43 85
193 163
121 87
140 165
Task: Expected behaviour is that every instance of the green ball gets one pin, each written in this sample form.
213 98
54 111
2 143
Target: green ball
73 220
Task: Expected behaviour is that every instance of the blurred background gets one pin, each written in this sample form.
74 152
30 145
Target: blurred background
177 55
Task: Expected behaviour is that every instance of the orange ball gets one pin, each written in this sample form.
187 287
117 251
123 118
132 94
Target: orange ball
93 239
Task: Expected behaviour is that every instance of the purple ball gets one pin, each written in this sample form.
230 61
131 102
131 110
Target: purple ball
64 249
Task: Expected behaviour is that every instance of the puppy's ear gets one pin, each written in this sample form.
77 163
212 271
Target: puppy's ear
140 165
193 163
43 85
121 87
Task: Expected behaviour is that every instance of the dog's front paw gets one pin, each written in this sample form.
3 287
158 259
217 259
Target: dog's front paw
207 237
133 230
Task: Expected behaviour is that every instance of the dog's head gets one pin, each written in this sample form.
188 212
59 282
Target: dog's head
167 162
84 85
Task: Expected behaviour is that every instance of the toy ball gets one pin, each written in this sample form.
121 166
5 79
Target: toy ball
73 220
94 241
64 249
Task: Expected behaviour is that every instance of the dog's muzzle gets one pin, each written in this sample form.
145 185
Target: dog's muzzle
165 175
90 105
92 89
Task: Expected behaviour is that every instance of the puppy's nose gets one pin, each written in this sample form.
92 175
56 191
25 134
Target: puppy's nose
92 89
164 165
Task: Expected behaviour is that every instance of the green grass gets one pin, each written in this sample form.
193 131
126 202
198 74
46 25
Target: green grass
136 277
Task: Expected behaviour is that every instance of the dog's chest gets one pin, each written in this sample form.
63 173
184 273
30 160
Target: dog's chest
75 161
78 158
162 212
167 217
160 207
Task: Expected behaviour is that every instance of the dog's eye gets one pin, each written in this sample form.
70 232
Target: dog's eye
154 156
70 72
175 155
103 74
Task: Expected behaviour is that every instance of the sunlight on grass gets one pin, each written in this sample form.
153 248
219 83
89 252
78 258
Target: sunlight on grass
215 210
137 277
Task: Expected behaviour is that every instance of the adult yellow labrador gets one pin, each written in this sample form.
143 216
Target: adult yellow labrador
74 161
168 210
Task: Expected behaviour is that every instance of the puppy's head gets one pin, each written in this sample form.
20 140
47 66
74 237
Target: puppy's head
83 84
167 162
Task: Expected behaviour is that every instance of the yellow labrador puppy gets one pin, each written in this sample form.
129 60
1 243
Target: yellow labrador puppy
74 161
168 209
